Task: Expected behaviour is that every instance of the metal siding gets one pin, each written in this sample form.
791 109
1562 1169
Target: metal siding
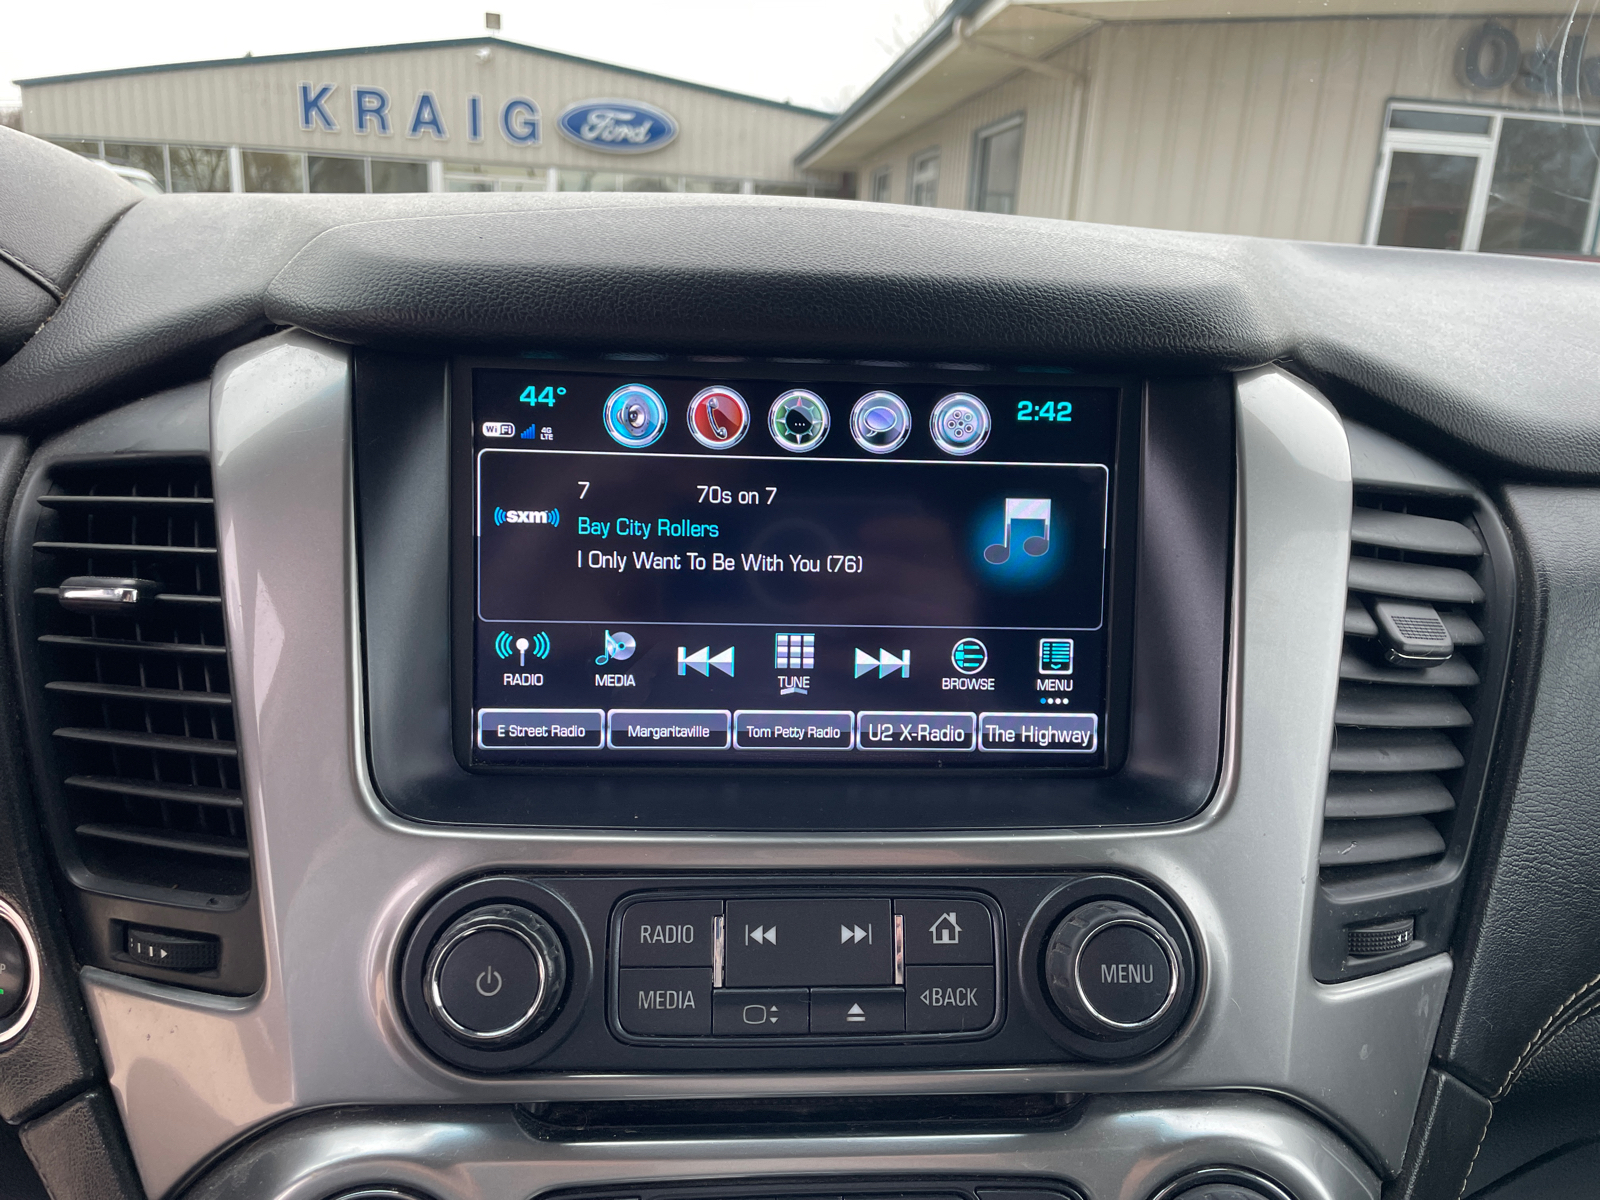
1268 128
257 105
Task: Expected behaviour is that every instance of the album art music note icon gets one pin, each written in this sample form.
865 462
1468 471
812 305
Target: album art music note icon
1035 544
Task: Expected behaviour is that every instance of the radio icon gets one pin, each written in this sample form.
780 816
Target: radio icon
505 645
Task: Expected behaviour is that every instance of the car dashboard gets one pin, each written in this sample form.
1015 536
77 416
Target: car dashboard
694 697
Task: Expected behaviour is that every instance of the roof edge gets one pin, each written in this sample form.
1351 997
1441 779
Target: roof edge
938 33
481 40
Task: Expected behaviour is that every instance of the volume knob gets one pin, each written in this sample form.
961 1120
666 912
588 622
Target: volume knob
496 975
1112 969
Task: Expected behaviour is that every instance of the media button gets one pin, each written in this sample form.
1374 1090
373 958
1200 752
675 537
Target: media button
858 1010
668 933
914 731
541 728
664 1000
762 729
768 1012
796 943
1038 731
949 999
946 931
664 729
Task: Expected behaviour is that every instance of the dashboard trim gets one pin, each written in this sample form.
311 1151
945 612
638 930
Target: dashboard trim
193 1075
1117 1147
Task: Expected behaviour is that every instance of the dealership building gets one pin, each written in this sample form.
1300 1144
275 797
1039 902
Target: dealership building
1405 122
1428 123
475 115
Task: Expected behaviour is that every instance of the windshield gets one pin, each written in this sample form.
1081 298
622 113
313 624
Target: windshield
1359 121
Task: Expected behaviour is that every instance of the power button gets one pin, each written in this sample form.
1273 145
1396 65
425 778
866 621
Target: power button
496 974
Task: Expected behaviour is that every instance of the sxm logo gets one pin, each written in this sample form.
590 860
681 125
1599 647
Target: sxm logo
373 112
617 126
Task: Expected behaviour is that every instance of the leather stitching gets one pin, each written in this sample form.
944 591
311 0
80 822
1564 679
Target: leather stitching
1582 1003
33 274
1549 1029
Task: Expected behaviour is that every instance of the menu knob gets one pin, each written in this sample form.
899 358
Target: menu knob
496 975
1112 969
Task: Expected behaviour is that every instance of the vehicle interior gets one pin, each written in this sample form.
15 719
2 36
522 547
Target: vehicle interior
1078 712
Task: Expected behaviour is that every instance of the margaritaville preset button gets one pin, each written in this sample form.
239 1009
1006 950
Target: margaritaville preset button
687 729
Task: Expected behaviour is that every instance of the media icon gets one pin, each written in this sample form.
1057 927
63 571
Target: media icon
969 656
880 422
1055 656
798 420
1033 545
702 660
618 646
960 423
883 663
794 651
718 417
635 416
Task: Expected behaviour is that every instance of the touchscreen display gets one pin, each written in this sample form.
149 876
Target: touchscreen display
783 572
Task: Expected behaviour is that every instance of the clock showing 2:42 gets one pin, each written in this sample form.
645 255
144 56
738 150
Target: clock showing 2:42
1050 410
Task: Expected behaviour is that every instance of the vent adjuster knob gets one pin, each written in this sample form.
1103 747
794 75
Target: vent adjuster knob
99 595
1414 635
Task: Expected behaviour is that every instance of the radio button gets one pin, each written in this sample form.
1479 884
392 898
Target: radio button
801 943
760 1013
858 1010
668 933
949 999
946 931
665 1001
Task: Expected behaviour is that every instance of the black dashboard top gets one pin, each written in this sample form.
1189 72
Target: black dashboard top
1494 354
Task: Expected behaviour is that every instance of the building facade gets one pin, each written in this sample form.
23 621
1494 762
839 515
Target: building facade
480 114
1347 121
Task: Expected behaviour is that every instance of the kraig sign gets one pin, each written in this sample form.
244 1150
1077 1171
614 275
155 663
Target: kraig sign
611 126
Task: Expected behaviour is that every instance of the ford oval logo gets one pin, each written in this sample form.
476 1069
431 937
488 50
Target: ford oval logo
618 126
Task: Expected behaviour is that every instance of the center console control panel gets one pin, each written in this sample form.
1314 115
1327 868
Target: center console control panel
515 973
810 966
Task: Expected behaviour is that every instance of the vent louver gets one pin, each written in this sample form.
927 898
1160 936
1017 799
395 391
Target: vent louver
138 706
1428 612
1400 730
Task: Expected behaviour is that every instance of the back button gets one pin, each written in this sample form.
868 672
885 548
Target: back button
858 1010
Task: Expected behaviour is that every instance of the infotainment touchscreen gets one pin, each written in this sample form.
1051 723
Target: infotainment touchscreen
789 570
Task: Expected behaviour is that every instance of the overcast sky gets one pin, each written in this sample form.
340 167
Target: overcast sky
818 53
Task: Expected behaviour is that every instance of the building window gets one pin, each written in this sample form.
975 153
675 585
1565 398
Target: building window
389 175
1499 182
335 173
880 186
922 187
267 171
199 169
997 166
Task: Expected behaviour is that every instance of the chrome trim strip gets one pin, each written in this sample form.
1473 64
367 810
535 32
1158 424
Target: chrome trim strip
341 877
1118 1147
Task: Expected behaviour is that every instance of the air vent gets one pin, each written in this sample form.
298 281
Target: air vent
138 704
1420 678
